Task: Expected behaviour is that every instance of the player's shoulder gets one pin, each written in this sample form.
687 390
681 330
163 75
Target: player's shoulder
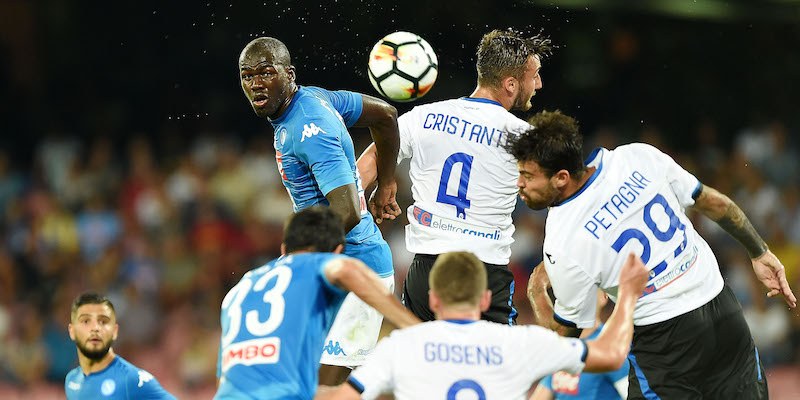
637 148
73 374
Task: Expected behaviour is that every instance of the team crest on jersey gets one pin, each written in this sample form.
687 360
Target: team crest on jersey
310 130
565 383
108 387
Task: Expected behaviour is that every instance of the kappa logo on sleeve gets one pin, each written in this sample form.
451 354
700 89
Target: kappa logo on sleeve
144 377
310 130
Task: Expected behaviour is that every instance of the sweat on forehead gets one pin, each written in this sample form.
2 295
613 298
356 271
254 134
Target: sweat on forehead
265 49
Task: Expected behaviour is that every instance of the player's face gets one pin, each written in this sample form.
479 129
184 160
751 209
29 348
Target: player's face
265 83
529 83
536 189
94 329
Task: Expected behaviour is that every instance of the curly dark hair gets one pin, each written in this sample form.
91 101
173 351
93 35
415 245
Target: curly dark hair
503 53
554 143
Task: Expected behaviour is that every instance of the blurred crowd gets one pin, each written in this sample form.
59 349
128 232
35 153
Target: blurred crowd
165 234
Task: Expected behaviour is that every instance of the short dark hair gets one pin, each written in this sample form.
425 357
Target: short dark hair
503 53
315 228
279 51
553 142
89 298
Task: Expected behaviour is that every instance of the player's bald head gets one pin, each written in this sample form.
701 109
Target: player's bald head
265 48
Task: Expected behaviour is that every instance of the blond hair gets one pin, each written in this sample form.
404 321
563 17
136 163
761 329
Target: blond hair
458 278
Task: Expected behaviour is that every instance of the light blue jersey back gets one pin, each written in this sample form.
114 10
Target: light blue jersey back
586 385
120 380
315 155
274 323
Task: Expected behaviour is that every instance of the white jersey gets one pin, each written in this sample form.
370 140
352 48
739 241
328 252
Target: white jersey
442 359
462 179
634 202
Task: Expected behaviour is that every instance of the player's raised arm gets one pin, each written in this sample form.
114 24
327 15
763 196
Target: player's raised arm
769 270
381 119
610 349
352 275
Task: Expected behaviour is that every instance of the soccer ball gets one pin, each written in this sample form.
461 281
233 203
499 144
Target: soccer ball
402 66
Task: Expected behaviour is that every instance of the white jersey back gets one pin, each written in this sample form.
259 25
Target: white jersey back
441 359
634 202
462 179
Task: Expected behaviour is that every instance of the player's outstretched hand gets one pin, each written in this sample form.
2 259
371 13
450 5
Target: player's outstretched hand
633 276
771 273
383 202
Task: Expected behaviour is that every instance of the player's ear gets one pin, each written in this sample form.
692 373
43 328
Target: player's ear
290 71
510 85
561 178
116 331
486 300
283 249
339 249
434 302
71 332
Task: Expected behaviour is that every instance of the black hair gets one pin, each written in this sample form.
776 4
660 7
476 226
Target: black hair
89 298
554 143
315 228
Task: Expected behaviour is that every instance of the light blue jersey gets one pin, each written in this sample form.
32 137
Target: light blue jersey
315 155
274 323
586 385
121 380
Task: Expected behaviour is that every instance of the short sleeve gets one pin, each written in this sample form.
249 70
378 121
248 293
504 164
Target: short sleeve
404 124
682 182
348 104
547 382
376 376
575 291
550 352
143 385
320 147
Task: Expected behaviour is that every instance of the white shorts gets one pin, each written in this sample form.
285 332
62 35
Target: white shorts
354 332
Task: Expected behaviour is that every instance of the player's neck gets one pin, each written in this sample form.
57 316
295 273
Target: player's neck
574 185
90 366
472 315
293 88
482 92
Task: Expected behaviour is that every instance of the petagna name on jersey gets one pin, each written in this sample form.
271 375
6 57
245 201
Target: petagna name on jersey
619 202
467 130
251 352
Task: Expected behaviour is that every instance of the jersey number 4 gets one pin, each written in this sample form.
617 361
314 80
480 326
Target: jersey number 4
460 200
252 319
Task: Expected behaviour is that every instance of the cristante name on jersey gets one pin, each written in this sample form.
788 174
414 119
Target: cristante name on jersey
464 129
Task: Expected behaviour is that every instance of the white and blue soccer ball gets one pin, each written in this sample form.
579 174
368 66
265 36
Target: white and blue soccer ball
402 66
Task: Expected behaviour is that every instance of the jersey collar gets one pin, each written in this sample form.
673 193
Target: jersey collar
589 160
481 100
288 109
460 321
